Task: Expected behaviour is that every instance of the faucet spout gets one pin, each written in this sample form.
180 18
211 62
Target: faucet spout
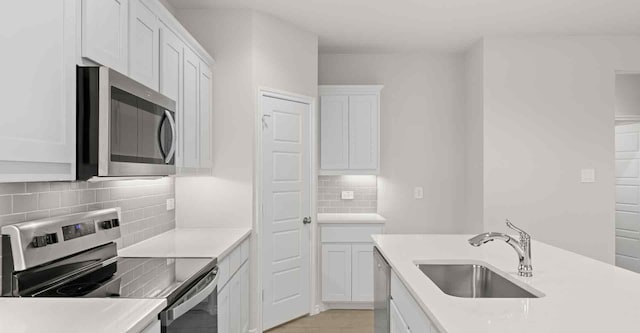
522 246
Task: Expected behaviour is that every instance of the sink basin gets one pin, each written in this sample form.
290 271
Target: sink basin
472 281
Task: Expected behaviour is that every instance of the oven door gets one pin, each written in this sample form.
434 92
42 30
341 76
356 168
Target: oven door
141 139
196 311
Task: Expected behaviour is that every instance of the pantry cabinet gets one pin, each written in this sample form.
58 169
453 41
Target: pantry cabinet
347 263
105 32
349 129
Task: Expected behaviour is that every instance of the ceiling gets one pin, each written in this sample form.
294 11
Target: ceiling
354 26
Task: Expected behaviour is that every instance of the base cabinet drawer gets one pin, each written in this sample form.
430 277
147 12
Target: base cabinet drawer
408 309
153 327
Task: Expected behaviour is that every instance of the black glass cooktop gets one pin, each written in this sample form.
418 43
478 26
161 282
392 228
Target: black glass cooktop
134 278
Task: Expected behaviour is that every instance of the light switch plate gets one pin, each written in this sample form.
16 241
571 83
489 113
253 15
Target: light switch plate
171 204
588 176
418 192
347 195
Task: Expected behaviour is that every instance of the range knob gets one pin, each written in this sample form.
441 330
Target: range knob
106 224
39 241
115 223
52 238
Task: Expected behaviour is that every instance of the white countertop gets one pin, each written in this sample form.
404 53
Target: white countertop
189 242
581 294
347 218
63 315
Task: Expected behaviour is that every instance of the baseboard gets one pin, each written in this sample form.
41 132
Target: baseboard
348 306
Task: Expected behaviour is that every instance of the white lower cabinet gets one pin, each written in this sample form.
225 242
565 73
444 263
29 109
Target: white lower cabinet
405 311
153 327
233 292
347 263
398 325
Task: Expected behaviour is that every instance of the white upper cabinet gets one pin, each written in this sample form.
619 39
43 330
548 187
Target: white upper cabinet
37 88
144 50
205 84
334 132
190 129
104 32
363 132
349 129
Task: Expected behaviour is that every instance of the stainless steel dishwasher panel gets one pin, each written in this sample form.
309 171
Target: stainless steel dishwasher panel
381 293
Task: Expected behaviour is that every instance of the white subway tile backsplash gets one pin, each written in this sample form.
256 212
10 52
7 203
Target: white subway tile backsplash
330 189
25 203
142 202
48 200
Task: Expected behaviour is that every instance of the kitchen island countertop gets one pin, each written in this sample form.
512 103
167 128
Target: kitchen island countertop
580 294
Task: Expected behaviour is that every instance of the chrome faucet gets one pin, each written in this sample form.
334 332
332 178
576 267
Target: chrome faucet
522 246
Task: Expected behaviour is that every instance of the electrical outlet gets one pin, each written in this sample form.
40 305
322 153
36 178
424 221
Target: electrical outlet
418 192
347 195
171 204
587 176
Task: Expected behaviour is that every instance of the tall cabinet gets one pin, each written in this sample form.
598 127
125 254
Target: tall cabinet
349 129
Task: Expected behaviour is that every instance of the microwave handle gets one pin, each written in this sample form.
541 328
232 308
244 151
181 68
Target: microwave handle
178 311
172 150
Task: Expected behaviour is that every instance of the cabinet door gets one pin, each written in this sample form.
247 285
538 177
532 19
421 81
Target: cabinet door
37 89
235 304
143 44
223 310
171 58
334 132
244 301
190 128
336 272
363 132
205 115
362 272
104 32
398 325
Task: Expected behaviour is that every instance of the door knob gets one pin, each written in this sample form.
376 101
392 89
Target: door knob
306 220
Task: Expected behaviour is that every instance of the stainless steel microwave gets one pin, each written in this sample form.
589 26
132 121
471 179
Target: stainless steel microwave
124 129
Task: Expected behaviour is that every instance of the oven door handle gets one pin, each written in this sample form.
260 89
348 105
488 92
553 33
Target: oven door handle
172 150
184 307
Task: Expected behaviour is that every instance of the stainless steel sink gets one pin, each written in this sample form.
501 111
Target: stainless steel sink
472 281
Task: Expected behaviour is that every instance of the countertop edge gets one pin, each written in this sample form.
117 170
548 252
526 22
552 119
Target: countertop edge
148 318
235 244
407 285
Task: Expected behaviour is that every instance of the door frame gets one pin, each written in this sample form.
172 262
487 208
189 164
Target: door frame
258 200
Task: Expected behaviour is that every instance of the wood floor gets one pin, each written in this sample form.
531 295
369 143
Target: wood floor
332 321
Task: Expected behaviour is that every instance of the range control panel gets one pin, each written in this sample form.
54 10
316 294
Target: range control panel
40 241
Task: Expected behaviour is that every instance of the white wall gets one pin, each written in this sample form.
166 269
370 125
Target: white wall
474 150
548 112
284 57
422 134
225 200
628 94
252 50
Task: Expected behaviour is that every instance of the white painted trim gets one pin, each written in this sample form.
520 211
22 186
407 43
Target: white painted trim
313 189
628 118
325 172
331 89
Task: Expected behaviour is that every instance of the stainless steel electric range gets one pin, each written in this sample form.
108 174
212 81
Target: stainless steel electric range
76 256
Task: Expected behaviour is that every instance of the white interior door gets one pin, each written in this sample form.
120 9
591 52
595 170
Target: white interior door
286 201
628 196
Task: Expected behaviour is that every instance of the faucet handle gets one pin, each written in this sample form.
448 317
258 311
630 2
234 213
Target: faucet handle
523 234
